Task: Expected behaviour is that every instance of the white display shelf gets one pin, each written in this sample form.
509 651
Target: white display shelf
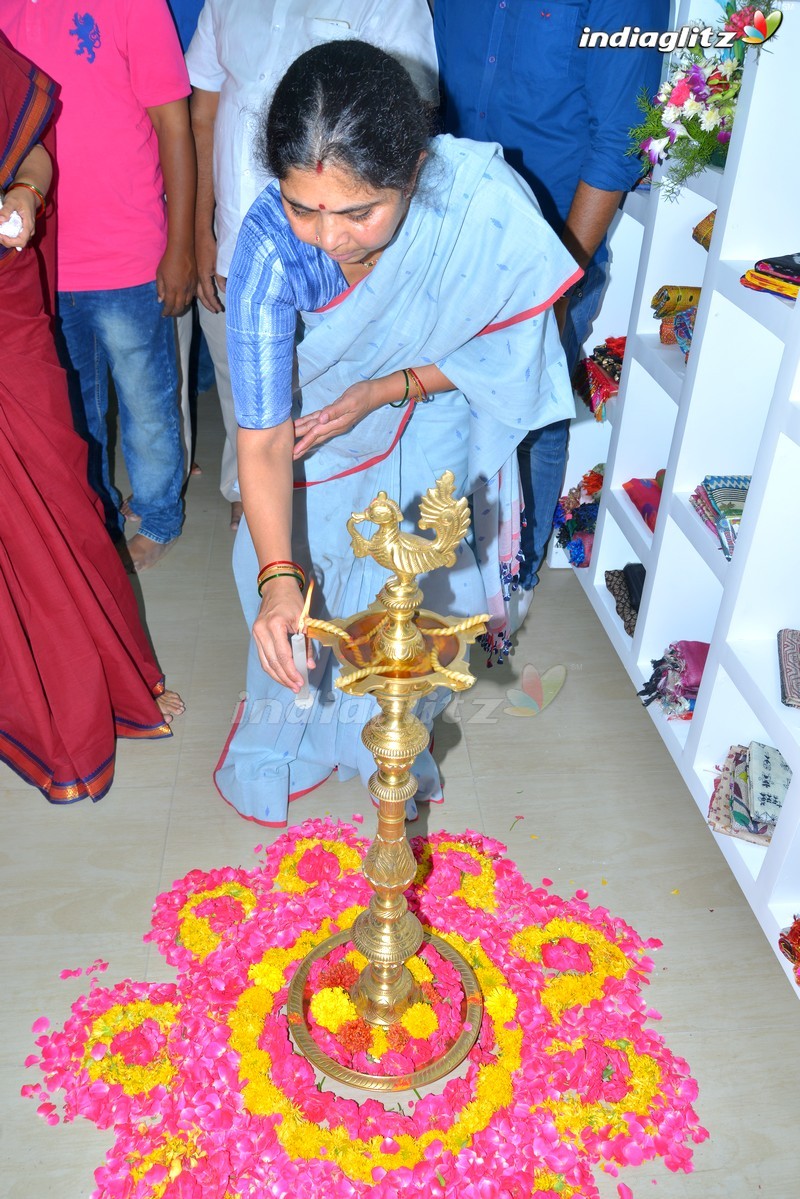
755 665
734 408
666 364
793 423
633 527
773 312
707 185
700 536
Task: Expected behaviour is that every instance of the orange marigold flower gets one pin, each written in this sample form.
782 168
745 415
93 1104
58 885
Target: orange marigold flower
430 993
397 1037
338 974
355 1036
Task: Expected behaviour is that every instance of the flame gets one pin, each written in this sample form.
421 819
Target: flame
301 624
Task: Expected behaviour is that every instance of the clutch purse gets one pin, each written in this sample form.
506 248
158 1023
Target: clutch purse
670 299
789 666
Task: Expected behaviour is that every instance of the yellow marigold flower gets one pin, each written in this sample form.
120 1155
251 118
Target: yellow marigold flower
380 1045
356 959
269 975
501 1004
420 1021
347 918
420 971
509 1044
332 1007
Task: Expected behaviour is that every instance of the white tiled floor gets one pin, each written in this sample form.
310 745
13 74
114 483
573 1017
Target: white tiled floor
601 800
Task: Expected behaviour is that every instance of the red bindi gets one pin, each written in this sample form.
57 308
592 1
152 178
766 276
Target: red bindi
319 166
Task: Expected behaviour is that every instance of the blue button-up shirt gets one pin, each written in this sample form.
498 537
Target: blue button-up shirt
513 72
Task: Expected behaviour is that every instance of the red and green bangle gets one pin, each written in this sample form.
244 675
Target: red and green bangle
281 570
31 188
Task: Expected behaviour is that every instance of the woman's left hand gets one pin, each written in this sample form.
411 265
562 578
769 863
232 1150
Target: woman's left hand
352 406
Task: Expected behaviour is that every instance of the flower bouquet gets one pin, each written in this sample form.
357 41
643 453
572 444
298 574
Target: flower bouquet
690 119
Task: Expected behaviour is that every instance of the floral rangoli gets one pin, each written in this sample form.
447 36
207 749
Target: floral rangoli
209 1099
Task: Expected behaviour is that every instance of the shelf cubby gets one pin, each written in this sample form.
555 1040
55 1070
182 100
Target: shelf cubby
685 597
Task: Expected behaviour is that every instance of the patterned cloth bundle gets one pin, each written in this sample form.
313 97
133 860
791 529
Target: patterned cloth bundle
596 378
749 792
676 679
676 308
645 495
780 276
719 502
703 229
576 516
683 328
626 587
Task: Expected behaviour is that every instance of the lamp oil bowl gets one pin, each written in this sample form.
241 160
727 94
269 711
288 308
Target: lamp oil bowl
398 652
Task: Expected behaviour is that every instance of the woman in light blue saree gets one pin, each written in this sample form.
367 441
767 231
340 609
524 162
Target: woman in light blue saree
424 277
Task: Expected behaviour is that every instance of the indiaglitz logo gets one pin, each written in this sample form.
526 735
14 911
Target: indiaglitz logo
762 27
538 691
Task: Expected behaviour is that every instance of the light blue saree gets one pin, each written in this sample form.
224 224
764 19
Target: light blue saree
468 284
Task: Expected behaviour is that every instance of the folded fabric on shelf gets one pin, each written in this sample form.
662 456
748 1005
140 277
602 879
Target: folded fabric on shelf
666 330
774 284
676 679
617 585
672 298
634 574
683 328
576 516
785 266
596 378
645 495
719 502
789 666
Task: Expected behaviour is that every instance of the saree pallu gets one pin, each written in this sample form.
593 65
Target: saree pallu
449 290
76 670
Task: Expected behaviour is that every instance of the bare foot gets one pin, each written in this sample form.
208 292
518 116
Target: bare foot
196 469
145 552
237 512
127 511
171 705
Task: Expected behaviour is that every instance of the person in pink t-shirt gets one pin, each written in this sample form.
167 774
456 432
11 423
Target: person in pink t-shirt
125 203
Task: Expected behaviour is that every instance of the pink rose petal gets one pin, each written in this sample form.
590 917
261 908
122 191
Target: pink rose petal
358 818
624 1191
40 1025
581 894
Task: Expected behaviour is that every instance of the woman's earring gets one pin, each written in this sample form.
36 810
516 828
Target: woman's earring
316 239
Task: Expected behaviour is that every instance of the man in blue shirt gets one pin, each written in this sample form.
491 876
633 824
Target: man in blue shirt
512 71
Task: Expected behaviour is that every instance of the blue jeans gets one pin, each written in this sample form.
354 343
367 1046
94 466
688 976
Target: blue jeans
122 330
542 453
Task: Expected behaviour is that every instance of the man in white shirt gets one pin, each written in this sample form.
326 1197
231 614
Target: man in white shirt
238 54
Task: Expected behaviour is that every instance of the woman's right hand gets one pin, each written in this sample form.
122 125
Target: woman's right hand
23 202
281 606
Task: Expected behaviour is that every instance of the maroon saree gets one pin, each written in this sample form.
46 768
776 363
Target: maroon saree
76 670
